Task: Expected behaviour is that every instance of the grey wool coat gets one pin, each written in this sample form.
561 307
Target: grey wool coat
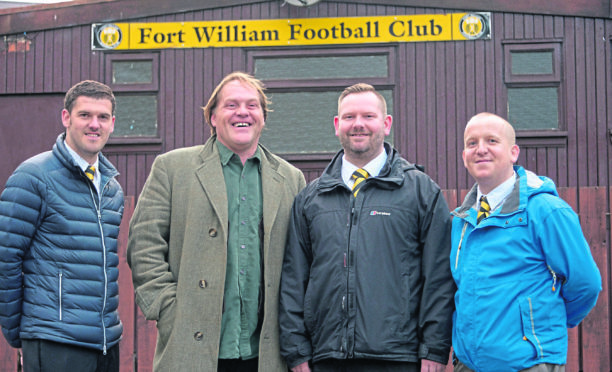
177 253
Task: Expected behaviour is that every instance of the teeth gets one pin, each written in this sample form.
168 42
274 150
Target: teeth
241 125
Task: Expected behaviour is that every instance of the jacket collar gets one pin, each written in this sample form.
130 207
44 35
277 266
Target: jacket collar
391 175
106 168
527 183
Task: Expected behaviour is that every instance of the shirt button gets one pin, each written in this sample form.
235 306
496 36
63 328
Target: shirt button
202 283
242 271
243 246
243 198
198 336
212 233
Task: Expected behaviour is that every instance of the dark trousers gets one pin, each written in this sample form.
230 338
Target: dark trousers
236 365
363 365
48 356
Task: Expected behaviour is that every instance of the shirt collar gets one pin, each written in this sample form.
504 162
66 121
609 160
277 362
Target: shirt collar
373 167
497 196
226 154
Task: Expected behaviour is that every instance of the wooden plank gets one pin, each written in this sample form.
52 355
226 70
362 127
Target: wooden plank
451 198
570 195
127 305
595 327
146 338
9 357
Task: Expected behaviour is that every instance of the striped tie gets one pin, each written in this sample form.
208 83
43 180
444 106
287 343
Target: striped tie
90 171
359 176
485 209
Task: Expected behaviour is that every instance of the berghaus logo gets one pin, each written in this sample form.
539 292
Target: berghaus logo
377 213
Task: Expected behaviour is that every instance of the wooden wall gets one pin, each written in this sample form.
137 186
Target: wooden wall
439 86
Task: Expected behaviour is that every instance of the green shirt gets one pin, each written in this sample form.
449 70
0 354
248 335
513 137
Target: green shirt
239 332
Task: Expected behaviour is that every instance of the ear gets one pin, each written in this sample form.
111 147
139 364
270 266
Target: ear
65 118
337 125
112 126
463 157
514 153
387 123
213 120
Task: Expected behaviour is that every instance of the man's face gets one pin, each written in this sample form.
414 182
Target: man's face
362 126
88 126
489 153
238 117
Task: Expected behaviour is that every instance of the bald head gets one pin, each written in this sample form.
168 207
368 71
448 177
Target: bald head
506 128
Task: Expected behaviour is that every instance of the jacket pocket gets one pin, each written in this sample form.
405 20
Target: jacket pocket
530 333
59 294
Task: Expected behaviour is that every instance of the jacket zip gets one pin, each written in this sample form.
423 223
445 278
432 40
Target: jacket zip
97 206
554 275
533 328
60 295
346 300
460 242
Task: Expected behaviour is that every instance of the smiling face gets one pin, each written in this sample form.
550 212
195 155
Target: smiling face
489 150
361 126
88 126
238 118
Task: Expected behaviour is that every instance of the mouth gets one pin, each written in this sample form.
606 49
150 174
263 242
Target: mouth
241 125
95 135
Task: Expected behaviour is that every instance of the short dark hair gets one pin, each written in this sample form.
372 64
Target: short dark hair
363 88
88 88
243 78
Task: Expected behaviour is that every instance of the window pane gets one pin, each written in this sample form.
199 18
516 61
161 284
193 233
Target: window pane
132 72
532 63
321 67
533 108
303 122
136 116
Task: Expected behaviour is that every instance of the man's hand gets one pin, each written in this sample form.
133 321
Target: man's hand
301 368
431 366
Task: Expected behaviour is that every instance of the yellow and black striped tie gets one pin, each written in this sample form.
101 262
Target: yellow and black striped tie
484 210
90 172
359 176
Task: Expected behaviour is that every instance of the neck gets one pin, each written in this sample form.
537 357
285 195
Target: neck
360 160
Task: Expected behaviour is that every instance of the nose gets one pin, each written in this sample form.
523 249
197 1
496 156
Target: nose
95 122
242 110
482 147
359 122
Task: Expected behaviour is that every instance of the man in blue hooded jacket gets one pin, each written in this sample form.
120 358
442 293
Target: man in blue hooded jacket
59 220
523 269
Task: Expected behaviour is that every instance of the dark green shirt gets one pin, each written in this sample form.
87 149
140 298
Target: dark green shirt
239 333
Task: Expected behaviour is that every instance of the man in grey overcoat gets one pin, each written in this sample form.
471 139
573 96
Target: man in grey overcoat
207 239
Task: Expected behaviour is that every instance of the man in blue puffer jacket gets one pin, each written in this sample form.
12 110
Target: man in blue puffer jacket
523 268
59 220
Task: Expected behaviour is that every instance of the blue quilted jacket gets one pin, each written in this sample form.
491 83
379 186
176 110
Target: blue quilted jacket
58 253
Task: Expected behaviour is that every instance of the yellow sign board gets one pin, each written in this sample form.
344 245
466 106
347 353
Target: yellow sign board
291 32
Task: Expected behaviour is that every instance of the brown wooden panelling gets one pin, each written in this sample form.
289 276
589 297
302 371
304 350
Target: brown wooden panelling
439 86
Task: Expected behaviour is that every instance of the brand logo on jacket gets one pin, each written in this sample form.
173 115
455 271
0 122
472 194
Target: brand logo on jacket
377 213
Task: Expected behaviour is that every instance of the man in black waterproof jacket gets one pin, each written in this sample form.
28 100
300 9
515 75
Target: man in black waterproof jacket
366 282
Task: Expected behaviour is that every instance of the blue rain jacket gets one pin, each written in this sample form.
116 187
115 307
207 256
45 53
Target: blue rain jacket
524 275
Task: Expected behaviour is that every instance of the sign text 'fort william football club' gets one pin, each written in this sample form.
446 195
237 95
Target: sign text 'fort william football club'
291 32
